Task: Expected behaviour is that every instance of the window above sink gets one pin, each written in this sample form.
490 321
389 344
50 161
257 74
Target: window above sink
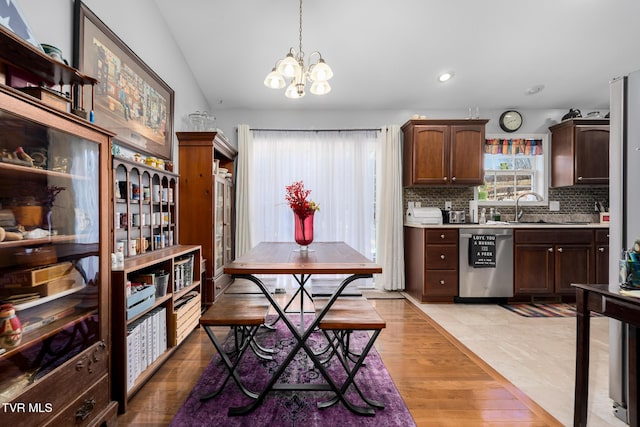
514 164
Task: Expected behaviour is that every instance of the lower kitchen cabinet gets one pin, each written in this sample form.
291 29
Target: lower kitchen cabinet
547 262
431 263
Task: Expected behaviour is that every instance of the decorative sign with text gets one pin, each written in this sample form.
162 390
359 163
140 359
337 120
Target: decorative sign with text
482 251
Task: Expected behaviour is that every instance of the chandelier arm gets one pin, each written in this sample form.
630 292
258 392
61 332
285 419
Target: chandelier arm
312 53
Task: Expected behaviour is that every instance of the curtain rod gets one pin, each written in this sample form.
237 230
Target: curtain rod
315 130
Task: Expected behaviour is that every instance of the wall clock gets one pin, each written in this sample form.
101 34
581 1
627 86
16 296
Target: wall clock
510 121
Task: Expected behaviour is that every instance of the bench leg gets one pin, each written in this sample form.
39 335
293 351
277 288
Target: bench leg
231 366
344 358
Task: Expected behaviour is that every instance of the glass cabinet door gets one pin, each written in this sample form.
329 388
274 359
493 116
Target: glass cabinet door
228 220
218 238
50 245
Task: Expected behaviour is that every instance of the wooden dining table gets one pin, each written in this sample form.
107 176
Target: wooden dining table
283 258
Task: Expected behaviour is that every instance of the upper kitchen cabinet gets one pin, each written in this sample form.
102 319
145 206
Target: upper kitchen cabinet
443 152
580 152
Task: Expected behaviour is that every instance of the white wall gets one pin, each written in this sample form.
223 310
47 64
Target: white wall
535 121
136 22
140 25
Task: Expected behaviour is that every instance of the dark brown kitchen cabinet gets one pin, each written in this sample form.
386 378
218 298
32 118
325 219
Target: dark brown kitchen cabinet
602 256
443 152
580 152
548 261
431 263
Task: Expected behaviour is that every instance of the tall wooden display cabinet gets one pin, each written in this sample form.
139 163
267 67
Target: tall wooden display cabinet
206 208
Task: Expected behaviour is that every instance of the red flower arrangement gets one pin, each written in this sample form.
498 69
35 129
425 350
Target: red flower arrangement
297 197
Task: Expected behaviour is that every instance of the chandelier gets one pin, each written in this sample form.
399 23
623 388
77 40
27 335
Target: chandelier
292 72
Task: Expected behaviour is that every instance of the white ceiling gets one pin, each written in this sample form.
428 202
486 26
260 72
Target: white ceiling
386 54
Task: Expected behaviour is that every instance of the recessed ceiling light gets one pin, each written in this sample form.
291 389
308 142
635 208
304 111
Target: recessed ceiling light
445 76
534 89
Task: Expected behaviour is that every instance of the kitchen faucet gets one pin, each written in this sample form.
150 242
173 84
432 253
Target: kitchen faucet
519 213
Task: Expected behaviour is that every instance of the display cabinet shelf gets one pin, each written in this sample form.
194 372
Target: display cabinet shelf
145 200
159 315
25 65
64 319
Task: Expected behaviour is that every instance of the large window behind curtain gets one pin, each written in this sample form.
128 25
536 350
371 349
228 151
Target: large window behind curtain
339 169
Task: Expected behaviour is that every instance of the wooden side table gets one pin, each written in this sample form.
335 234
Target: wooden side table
597 298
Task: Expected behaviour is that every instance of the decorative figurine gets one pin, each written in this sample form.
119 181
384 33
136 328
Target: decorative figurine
10 327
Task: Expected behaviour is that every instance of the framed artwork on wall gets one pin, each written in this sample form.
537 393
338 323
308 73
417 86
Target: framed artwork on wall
130 99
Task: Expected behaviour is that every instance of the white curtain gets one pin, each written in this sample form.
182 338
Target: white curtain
243 190
339 169
390 215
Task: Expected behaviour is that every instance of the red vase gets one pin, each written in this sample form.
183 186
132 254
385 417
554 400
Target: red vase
303 230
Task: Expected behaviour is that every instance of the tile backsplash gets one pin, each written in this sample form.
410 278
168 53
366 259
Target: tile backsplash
576 203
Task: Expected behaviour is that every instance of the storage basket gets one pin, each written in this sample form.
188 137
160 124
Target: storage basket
140 301
161 281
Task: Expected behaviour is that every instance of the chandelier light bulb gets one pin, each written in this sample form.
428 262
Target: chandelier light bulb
320 71
289 67
274 80
320 88
295 91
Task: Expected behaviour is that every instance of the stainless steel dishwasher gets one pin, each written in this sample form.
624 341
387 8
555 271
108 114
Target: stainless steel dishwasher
489 276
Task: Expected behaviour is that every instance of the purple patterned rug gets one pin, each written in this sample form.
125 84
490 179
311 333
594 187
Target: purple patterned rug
292 408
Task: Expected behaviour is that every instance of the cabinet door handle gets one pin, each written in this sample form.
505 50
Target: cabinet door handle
442 282
442 256
442 236
453 179
444 178
579 178
559 249
601 249
550 249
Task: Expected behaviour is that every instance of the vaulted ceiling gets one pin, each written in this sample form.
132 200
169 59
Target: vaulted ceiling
387 54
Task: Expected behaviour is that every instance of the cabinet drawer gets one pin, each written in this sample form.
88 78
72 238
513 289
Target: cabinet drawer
553 236
441 283
186 318
86 407
441 257
442 236
71 379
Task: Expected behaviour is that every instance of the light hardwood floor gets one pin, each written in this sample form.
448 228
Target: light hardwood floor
442 382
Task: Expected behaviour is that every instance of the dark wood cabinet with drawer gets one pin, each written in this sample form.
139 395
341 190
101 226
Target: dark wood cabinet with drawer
431 263
548 261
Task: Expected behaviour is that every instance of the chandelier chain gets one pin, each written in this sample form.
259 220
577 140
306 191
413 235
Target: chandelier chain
300 53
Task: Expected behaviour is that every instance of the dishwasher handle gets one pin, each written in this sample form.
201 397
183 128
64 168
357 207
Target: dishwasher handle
498 236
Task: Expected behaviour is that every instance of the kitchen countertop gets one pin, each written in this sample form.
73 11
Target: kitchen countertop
505 224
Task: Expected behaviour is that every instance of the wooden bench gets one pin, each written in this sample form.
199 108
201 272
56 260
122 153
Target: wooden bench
354 313
243 286
343 317
244 314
